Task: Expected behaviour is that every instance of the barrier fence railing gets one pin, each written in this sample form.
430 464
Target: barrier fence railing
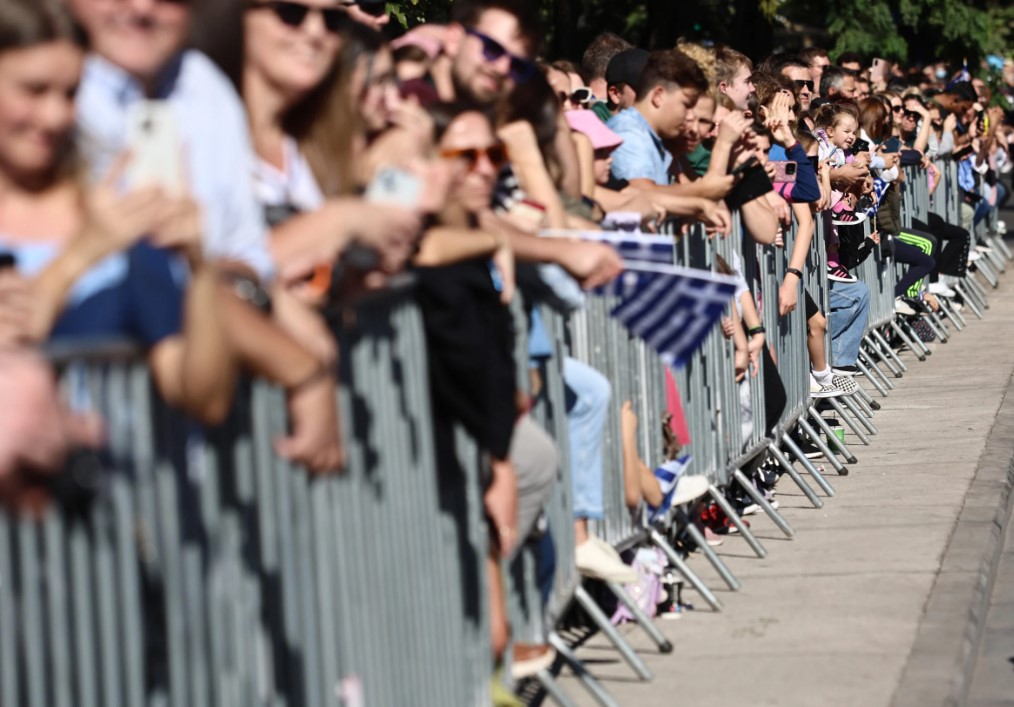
207 571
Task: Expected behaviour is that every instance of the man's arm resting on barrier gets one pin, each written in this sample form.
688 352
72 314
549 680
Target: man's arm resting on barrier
760 220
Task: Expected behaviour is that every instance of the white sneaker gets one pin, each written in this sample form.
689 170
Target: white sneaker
690 488
974 255
845 384
824 391
903 307
940 289
606 548
983 249
751 510
595 563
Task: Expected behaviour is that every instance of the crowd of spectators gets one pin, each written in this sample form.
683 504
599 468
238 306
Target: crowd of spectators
309 158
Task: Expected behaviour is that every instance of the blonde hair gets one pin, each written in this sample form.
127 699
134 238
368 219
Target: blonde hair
705 59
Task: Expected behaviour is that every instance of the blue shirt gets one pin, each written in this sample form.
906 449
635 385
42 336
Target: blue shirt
213 128
132 294
642 155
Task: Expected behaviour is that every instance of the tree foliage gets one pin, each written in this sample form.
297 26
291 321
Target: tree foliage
905 30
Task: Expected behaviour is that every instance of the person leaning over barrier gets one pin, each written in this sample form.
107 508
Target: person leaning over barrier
463 294
138 53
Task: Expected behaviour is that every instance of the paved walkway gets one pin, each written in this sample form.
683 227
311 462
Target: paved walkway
846 613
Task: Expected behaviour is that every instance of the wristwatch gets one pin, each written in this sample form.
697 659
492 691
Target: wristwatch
797 273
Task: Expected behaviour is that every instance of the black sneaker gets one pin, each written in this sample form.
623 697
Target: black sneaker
839 274
846 370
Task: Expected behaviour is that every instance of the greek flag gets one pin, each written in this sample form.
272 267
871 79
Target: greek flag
672 309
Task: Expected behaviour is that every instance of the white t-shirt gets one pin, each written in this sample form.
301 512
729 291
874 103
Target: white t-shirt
294 185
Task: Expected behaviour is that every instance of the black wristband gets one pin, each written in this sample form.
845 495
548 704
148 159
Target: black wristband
756 330
797 273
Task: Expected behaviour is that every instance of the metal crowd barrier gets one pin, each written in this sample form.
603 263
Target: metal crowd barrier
225 576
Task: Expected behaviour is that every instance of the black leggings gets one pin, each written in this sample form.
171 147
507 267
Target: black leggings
919 266
952 257
774 390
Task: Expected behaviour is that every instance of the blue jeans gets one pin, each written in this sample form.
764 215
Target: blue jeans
850 311
588 395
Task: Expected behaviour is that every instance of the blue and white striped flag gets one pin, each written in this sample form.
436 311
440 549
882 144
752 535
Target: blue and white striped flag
672 309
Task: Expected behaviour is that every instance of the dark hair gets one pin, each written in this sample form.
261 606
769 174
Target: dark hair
444 114
567 67
833 77
668 67
782 60
963 90
873 118
536 103
28 23
469 12
849 58
596 57
808 54
831 113
410 53
767 85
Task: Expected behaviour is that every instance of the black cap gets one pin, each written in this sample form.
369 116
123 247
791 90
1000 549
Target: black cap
626 67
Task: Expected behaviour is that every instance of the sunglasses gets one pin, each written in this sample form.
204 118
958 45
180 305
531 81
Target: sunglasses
496 154
521 69
912 115
578 97
801 83
294 14
898 109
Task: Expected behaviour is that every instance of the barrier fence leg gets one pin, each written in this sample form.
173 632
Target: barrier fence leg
971 300
829 455
810 467
683 569
846 417
874 346
593 686
983 266
734 518
723 570
832 438
606 626
765 505
869 368
914 345
953 314
980 291
937 325
872 357
996 241
642 619
857 406
997 261
869 376
553 689
885 346
794 475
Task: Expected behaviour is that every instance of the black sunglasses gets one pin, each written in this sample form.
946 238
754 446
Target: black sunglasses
897 109
807 83
294 14
521 69
912 115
